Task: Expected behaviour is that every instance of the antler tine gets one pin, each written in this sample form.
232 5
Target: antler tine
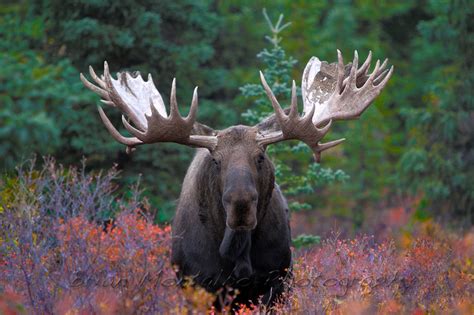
294 102
330 144
361 76
381 85
173 102
353 73
373 74
324 146
326 128
194 107
309 116
131 142
134 131
340 72
380 77
97 79
365 66
276 106
110 103
102 93
382 67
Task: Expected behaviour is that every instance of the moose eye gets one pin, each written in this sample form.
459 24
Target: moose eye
260 158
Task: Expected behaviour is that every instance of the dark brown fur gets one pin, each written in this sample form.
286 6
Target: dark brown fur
231 226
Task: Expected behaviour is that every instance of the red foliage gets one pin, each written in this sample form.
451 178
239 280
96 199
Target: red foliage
10 302
124 268
434 274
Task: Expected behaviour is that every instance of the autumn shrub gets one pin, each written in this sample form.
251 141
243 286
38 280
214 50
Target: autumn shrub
434 274
70 244
124 268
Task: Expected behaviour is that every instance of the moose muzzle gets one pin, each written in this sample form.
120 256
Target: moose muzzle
240 200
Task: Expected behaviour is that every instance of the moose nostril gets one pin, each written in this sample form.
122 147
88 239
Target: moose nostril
241 205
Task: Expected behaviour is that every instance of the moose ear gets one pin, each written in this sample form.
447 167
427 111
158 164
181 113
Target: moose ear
203 130
270 124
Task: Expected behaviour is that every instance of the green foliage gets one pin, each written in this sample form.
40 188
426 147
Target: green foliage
439 120
24 127
305 240
41 100
416 138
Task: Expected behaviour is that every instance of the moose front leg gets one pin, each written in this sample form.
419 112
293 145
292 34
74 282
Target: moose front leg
235 247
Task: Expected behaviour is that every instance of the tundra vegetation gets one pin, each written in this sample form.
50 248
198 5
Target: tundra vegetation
383 225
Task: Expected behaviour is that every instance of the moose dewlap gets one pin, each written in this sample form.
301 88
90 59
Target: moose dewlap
231 226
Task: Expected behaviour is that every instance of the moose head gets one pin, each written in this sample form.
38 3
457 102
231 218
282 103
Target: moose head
231 219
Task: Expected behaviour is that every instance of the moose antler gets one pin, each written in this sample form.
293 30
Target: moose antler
141 102
326 97
348 95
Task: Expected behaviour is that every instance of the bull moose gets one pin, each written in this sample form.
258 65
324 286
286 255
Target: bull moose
231 227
